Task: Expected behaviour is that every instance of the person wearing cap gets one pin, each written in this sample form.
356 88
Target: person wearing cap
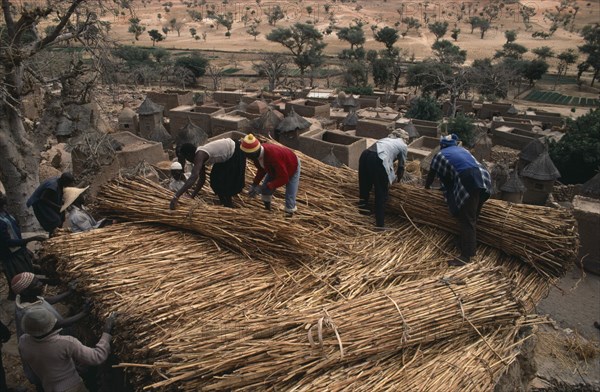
278 166
78 217
376 170
51 358
227 174
14 255
29 290
178 177
466 185
47 199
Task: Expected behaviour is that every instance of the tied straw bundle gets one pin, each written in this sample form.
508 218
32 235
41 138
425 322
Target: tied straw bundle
544 237
248 232
288 345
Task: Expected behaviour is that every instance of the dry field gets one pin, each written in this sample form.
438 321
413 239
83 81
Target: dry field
379 13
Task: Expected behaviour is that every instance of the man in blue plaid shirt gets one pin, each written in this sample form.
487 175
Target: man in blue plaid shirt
466 186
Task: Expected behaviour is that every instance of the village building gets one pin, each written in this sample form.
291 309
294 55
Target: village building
539 177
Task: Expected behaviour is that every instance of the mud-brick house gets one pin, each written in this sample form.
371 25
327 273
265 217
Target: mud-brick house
290 128
151 123
539 177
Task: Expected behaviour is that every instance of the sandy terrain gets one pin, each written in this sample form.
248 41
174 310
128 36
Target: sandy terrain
380 13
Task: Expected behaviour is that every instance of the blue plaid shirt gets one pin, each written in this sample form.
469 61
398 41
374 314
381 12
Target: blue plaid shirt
460 175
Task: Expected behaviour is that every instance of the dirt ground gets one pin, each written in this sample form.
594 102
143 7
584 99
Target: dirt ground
371 13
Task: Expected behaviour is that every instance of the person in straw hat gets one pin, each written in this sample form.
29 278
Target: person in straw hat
78 217
30 290
47 199
227 174
178 177
376 170
278 166
14 255
466 186
51 358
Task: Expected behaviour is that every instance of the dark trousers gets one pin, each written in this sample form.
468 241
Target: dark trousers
371 173
467 217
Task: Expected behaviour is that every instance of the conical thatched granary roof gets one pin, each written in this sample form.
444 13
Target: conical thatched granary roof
513 184
191 133
499 176
149 107
242 106
592 187
351 119
532 150
331 160
512 110
542 169
411 130
292 122
268 122
483 140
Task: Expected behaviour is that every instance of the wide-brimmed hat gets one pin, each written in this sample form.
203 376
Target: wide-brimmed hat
70 194
250 144
38 321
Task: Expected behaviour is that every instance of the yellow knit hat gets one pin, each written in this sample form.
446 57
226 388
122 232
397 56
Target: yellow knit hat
250 144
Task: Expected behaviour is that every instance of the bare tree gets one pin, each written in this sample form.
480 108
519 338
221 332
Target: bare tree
215 73
20 43
273 66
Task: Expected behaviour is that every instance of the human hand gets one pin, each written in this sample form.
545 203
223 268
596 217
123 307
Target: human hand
173 203
109 323
254 190
72 285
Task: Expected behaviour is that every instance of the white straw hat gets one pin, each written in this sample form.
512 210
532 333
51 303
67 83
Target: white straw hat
176 166
70 194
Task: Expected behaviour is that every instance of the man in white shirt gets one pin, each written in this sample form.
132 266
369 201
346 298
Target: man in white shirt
376 170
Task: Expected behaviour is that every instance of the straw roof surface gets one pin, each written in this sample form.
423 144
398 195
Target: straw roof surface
191 133
293 122
126 114
513 184
214 298
532 150
351 119
149 107
268 121
541 169
331 160
592 187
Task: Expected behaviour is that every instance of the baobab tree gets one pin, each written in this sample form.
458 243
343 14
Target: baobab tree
20 43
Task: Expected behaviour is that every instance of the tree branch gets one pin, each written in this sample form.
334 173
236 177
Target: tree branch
57 30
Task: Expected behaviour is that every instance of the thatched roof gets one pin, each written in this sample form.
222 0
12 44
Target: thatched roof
592 187
351 119
268 121
512 110
532 150
292 122
160 134
483 140
331 160
242 106
191 133
411 130
149 107
513 184
542 169
499 176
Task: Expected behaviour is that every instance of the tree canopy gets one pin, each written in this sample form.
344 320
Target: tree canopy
577 154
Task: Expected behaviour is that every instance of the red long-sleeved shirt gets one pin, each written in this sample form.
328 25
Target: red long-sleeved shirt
280 163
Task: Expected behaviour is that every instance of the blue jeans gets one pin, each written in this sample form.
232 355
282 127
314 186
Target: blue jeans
291 189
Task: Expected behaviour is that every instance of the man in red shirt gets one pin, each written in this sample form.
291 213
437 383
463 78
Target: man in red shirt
278 165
